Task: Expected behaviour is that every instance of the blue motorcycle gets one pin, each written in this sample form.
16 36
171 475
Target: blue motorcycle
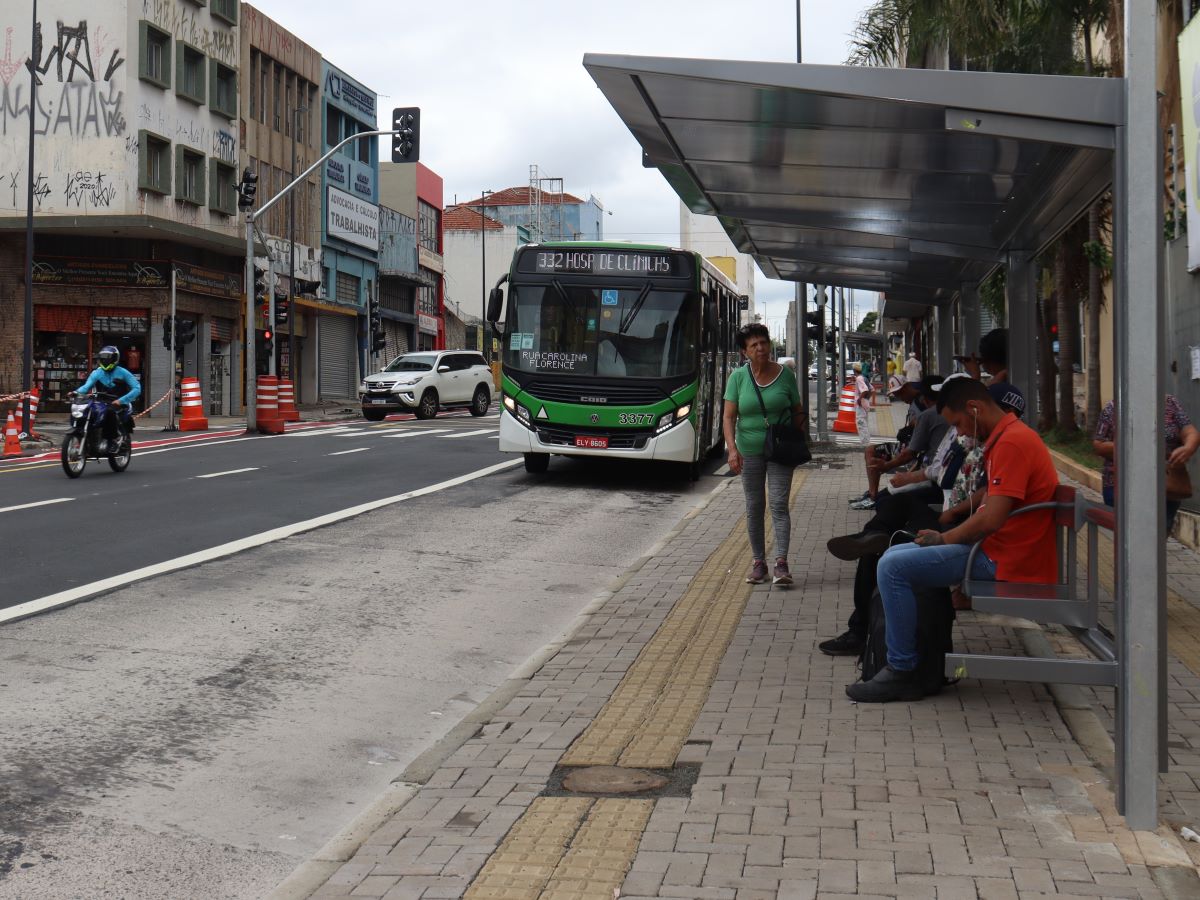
83 441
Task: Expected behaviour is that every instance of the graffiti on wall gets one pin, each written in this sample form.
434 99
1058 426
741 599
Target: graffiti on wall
186 25
85 190
89 190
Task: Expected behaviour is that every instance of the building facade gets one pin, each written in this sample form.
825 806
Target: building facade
280 114
350 233
415 190
398 283
546 216
135 164
705 235
467 281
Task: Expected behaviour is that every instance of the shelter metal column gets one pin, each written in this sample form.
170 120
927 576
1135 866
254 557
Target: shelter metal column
1022 329
1139 552
945 340
969 298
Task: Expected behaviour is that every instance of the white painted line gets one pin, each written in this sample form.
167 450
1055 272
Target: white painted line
319 432
39 503
74 595
344 452
468 433
413 431
230 472
724 470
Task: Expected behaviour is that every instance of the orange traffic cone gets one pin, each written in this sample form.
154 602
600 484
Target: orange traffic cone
12 444
35 395
192 405
845 422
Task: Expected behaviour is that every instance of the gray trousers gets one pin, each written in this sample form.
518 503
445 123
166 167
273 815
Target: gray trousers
757 476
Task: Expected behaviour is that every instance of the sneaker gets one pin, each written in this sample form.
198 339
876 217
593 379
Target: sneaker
782 576
853 546
887 686
845 644
102 447
865 503
865 495
757 573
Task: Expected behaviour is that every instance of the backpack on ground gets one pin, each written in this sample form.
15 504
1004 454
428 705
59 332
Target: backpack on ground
935 624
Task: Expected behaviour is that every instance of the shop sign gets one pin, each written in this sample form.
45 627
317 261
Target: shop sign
350 219
363 184
337 171
124 273
427 324
227 285
121 324
427 259
344 92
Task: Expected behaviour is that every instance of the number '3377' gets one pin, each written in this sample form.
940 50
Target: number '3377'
635 418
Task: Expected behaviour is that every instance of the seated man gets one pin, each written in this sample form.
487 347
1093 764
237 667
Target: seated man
905 392
928 432
1019 473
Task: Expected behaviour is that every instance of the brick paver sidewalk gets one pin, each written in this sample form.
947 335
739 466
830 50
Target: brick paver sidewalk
782 788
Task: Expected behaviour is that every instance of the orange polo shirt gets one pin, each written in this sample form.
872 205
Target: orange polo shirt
1018 465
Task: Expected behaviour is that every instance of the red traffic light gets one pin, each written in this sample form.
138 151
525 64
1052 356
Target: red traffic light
267 335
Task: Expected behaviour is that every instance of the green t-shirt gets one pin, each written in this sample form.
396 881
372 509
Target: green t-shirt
779 397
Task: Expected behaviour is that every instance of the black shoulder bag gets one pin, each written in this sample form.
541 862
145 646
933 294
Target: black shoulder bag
784 444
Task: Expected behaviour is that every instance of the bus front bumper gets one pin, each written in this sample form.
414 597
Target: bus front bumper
676 444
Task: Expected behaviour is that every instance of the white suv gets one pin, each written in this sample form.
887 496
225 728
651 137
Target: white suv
428 381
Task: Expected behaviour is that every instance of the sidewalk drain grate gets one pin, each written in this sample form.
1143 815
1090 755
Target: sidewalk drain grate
614 781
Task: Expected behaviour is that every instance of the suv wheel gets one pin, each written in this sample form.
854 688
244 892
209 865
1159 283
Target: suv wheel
428 407
374 415
481 402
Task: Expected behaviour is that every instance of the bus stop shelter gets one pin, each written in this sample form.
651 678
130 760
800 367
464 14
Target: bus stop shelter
918 184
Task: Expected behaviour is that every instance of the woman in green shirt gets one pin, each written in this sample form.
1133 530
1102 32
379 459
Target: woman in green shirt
745 429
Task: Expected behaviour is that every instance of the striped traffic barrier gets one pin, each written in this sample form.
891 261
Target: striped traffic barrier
192 406
287 401
266 410
845 422
35 394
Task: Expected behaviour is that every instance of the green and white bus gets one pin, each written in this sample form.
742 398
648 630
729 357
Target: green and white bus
617 350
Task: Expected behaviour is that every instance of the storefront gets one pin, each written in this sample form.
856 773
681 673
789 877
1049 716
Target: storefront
67 339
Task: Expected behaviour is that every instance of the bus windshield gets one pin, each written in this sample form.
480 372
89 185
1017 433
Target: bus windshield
610 332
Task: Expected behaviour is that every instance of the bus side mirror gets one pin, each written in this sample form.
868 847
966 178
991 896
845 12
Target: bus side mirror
495 305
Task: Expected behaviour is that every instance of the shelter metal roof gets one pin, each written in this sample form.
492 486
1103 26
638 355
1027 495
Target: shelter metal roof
905 181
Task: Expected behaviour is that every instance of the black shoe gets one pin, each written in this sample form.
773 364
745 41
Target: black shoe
852 546
846 644
888 684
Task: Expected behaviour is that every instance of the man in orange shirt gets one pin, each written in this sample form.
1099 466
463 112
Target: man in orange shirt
1019 473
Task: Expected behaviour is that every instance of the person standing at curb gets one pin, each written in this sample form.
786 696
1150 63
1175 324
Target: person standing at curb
863 392
745 431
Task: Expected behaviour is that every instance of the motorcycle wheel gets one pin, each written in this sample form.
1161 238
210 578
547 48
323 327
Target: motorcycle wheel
73 458
119 461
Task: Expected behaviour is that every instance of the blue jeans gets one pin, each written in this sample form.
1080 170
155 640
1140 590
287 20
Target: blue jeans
1172 506
907 566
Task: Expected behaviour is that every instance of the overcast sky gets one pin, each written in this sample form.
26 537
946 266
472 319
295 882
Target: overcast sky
501 86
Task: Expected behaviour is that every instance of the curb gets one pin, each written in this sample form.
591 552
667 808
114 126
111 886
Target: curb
311 875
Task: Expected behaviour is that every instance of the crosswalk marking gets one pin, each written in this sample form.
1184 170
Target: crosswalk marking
413 431
344 452
468 433
319 432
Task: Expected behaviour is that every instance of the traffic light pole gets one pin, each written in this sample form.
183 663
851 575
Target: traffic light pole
251 217
174 335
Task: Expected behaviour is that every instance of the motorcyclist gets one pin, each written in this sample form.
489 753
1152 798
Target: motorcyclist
104 379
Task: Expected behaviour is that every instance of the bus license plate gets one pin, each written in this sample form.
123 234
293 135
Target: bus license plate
592 443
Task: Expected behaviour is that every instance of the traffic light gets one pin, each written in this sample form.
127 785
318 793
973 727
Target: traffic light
268 341
282 307
168 322
406 134
375 324
185 332
246 189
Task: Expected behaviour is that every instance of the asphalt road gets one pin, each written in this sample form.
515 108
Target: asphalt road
201 732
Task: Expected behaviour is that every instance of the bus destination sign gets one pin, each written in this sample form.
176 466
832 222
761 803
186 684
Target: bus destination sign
627 263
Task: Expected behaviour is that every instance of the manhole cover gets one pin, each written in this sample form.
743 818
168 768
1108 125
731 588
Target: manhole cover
612 780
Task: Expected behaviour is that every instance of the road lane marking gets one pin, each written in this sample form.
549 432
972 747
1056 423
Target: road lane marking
344 452
319 432
39 503
468 433
418 431
83 592
230 472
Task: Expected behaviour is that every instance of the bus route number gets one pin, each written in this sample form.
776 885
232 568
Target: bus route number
635 418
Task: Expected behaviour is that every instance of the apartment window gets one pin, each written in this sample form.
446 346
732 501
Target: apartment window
287 122
222 190
262 90
223 90
333 126
154 55
154 162
427 223
226 9
189 176
189 73
278 95
254 57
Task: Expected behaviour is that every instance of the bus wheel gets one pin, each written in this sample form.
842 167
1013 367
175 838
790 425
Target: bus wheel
717 450
694 469
537 463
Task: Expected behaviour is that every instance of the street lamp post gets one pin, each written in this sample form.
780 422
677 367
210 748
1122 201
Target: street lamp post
291 366
483 276
251 217
27 374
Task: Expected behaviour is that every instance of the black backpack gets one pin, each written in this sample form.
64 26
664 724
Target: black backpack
935 624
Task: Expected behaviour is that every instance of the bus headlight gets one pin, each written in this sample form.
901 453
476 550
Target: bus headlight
510 404
671 419
523 414
683 412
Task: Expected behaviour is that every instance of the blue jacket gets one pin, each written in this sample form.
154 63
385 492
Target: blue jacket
107 381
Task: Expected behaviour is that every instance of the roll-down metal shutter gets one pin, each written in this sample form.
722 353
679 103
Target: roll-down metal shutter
337 368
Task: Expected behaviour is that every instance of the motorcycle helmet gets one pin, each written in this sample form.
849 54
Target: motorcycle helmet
108 358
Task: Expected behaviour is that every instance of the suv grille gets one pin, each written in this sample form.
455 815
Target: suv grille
616 395
564 436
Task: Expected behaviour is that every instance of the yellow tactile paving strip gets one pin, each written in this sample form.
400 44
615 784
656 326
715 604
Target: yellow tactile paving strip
650 714
525 862
595 864
1183 619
